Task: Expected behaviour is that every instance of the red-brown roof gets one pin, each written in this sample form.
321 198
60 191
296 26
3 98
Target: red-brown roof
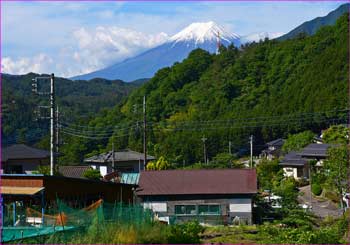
203 181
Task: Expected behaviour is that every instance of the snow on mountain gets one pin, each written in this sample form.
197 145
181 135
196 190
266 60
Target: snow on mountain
197 35
256 37
203 31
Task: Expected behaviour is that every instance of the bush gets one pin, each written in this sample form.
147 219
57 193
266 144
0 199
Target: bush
92 174
185 233
316 189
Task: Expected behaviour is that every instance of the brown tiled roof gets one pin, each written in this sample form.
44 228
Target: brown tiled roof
203 181
73 171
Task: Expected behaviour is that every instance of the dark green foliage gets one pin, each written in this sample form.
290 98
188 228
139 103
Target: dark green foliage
185 233
92 174
76 100
316 189
296 142
287 189
338 134
335 168
269 172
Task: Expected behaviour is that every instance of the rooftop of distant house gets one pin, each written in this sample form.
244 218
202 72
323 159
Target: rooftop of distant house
119 156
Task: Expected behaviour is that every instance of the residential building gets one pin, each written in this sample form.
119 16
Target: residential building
124 161
212 196
294 165
23 159
273 150
316 152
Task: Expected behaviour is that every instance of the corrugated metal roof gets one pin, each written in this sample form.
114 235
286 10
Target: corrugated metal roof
21 151
203 181
130 178
119 156
14 190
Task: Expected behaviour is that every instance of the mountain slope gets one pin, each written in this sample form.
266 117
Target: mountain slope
256 90
310 27
76 99
196 35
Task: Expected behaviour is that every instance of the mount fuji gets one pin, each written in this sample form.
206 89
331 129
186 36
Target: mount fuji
196 35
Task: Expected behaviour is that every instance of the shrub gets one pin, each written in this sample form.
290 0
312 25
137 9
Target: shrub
185 233
316 189
92 174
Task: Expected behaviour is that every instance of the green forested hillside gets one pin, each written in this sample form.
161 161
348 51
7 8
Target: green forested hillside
267 89
76 100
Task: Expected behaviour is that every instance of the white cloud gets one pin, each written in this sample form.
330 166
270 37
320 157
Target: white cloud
23 65
90 50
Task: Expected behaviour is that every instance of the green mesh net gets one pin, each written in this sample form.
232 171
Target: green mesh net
62 223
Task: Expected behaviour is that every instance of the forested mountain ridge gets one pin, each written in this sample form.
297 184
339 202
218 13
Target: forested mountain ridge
311 27
258 89
76 99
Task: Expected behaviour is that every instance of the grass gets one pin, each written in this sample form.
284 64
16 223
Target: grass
231 234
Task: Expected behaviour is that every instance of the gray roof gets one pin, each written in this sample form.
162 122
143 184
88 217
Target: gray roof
315 150
119 156
293 159
277 142
73 171
21 151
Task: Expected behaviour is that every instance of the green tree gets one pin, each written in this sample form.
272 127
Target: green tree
336 169
92 174
296 142
160 164
338 134
268 172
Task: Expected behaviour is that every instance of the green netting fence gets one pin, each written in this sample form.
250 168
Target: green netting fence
62 223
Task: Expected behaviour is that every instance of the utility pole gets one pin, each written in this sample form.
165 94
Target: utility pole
53 115
113 165
144 133
57 131
204 150
251 151
52 123
229 147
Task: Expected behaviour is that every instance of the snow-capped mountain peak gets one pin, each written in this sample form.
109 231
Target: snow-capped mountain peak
203 31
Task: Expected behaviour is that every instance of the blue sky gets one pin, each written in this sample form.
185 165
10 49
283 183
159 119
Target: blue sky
70 38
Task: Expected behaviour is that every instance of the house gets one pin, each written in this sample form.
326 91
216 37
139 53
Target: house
212 196
294 165
124 161
273 150
316 152
23 159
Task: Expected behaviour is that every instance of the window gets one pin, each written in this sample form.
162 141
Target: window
208 209
185 209
300 172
